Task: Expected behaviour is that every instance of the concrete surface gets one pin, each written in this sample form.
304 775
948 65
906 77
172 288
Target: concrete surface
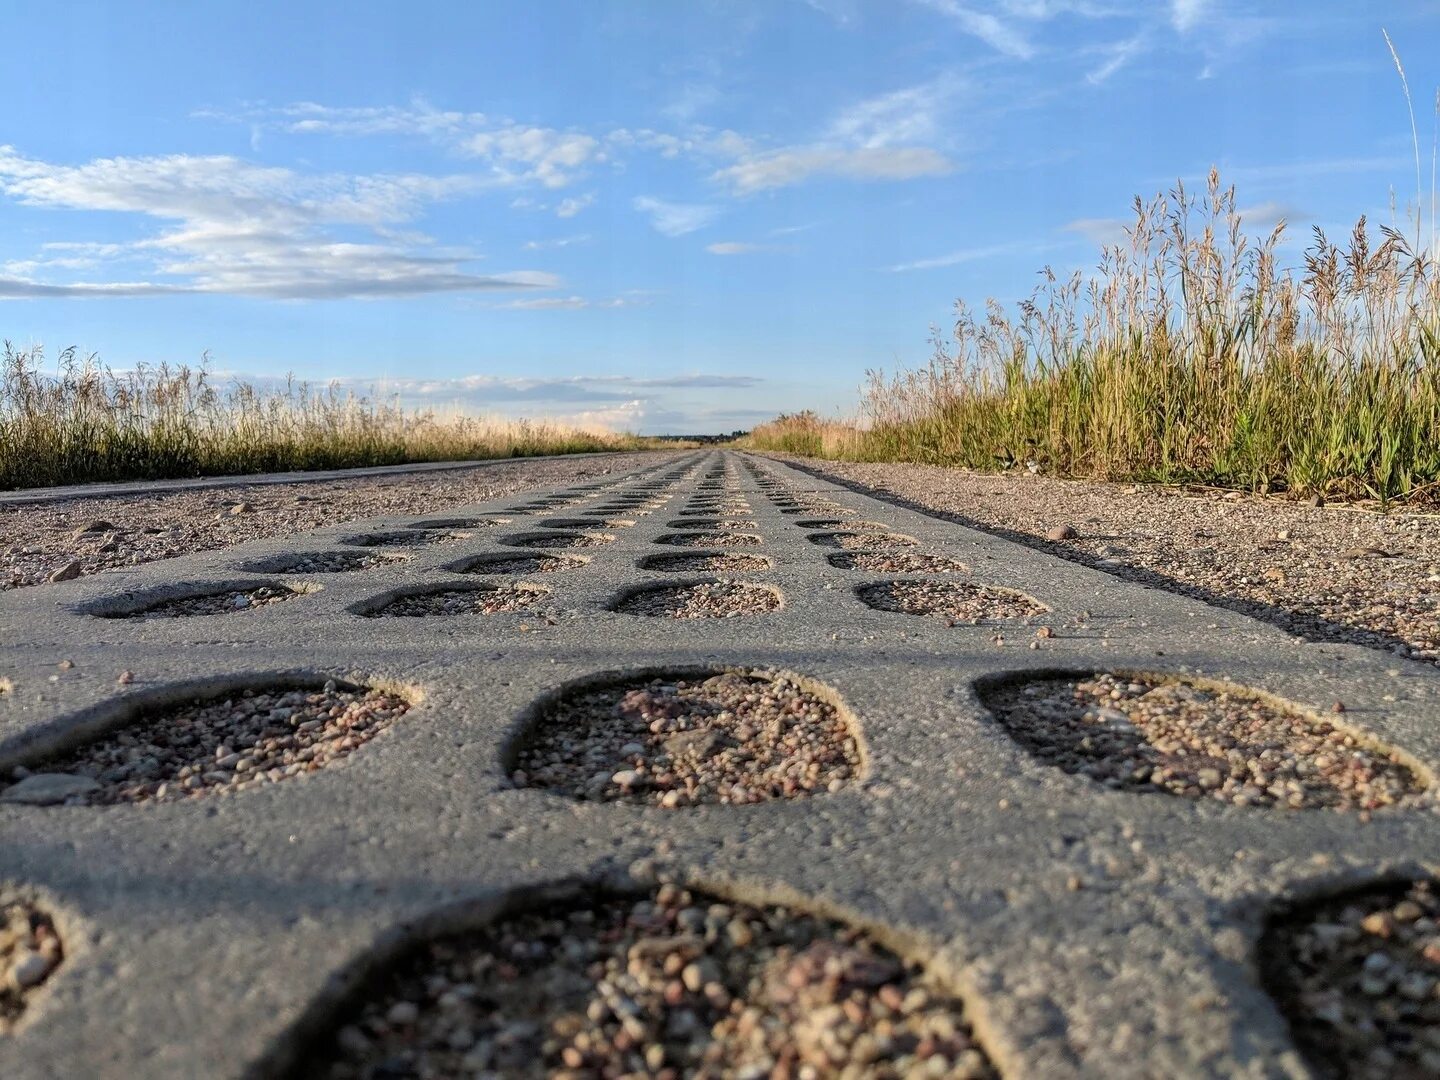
200 934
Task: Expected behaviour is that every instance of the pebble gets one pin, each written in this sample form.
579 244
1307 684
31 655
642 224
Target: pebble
1061 532
68 572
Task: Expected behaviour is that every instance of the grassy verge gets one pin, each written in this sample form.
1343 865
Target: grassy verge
86 423
1189 355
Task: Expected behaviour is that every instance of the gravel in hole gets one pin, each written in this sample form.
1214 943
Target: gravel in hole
563 540
958 601
1160 734
456 523
706 600
672 741
713 523
1358 978
668 984
30 951
898 562
244 740
714 561
836 523
516 564
582 523
471 600
862 541
407 538
324 562
709 539
228 602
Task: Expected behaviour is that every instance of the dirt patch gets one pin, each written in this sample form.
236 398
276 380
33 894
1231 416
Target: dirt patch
477 600
862 541
713 561
710 539
901 562
229 602
30 951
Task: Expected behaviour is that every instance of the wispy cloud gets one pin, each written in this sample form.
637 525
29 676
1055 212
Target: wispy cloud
568 208
1106 232
965 255
237 228
990 28
1117 56
562 303
557 242
675 219
740 247
1185 15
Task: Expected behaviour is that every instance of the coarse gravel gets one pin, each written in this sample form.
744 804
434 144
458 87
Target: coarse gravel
958 601
30 952
562 540
710 539
1358 977
406 538
898 562
862 541
1141 733
1326 573
723 599
229 602
473 600
729 737
215 745
667 985
94 534
713 561
324 562
516 564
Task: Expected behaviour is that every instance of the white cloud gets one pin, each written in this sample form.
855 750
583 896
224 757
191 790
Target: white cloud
989 28
1104 231
675 219
562 303
965 255
557 242
904 117
243 229
781 168
739 247
1185 15
1116 57
543 155
568 208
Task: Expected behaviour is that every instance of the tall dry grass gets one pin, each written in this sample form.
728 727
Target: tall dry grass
84 422
1189 355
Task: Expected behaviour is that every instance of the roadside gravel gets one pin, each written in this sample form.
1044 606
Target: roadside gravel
96 534
1328 573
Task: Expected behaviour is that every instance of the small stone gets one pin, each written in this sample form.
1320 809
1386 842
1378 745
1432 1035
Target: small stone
627 778
125 678
28 969
1061 532
241 508
68 572
403 1013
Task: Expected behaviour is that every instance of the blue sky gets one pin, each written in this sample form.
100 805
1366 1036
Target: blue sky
661 216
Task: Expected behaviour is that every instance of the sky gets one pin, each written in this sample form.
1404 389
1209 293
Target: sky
655 216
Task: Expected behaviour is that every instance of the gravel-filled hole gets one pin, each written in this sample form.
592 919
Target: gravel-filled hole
30 951
898 562
463 600
244 739
225 602
713 523
324 562
668 984
704 600
1358 978
562 540
405 538
713 561
1154 733
959 601
682 739
862 541
709 539
836 523
456 523
582 523
515 564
